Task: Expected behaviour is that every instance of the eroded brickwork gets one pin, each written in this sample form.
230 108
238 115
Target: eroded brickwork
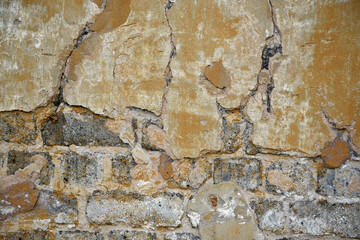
179 120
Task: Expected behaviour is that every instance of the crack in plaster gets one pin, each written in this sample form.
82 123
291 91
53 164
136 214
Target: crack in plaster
168 73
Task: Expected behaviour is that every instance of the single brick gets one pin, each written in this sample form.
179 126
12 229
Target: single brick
20 159
319 218
181 236
25 235
18 127
245 172
342 182
68 235
78 128
270 214
82 169
136 210
59 207
284 177
134 235
121 166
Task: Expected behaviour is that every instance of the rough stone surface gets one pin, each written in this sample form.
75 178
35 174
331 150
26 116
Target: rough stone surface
154 138
135 210
245 172
25 235
135 235
125 57
20 159
81 235
18 192
234 127
117 114
301 93
335 153
191 173
342 182
221 212
165 167
121 166
19 197
318 218
270 214
79 127
82 169
17 127
181 236
148 175
289 177
34 46
55 206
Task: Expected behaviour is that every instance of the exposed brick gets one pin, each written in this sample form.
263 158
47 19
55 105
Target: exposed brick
181 236
17 197
25 235
245 172
270 214
82 169
319 218
234 125
78 128
57 206
20 159
134 235
189 173
68 235
284 177
335 153
121 166
18 127
136 210
343 182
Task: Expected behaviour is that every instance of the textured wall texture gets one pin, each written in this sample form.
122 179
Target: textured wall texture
180 119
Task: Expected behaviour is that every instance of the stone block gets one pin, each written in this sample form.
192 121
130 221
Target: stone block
19 127
221 212
82 169
81 235
245 172
79 127
270 214
181 236
342 182
121 166
134 235
320 218
20 159
164 210
17 197
284 177
53 205
189 173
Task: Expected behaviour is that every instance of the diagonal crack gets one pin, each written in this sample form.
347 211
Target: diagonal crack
63 78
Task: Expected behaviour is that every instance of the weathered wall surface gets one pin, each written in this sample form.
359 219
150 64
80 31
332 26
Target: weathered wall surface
174 119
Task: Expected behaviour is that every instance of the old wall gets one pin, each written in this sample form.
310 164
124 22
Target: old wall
174 119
